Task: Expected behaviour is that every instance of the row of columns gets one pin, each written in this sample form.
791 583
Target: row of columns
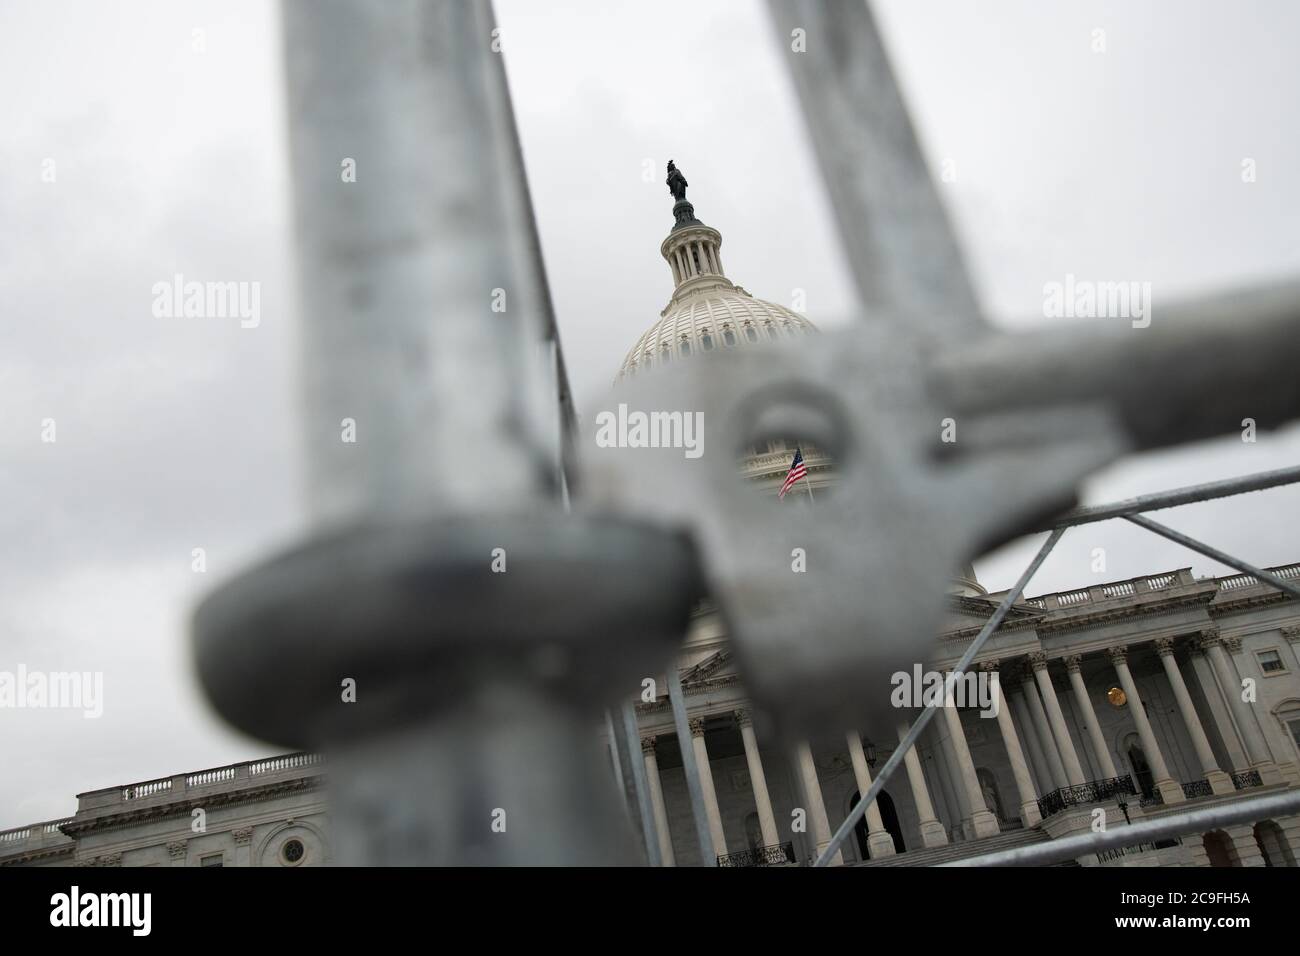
1052 748
1047 744
879 841
693 259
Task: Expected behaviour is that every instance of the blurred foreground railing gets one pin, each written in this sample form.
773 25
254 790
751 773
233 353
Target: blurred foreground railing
449 632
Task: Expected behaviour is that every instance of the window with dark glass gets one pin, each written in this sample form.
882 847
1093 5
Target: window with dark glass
292 851
1270 662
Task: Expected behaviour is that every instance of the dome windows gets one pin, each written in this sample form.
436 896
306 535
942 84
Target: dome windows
709 320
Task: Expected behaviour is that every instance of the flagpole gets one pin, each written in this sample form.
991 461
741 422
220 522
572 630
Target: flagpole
807 478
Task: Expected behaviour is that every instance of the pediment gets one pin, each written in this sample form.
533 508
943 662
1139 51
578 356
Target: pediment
972 612
719 664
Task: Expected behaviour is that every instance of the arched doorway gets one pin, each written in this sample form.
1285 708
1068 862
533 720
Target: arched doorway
1137 761
888 816
1273 845
1218 848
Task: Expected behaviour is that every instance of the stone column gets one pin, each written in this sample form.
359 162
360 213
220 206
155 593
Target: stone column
1169 790
676 267
757 779
983 822
1220 713
818 822
657 806
704 256
1257 751
706 784
243 846
951 796
1039 721
1283 769
932 832
1043 783
1219 781
1073 667
178 850
1029 812
1069 758
879 841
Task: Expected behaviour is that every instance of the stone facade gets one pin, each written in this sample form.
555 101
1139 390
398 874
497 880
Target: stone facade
261 813
1138 680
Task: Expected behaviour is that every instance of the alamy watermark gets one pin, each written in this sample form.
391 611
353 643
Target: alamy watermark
1085 299
179 299
75 908
53 690
636 429
923 688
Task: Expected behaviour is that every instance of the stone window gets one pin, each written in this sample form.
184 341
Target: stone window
213 859
728 335
292 852
1270 662
1289 714
751 333
706 341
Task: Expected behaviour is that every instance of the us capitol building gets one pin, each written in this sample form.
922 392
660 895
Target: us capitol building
1126 695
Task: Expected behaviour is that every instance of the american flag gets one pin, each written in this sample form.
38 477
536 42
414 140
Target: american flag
797 470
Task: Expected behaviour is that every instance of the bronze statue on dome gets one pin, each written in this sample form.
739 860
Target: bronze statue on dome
676 182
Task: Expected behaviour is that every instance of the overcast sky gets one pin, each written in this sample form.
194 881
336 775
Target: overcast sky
168 153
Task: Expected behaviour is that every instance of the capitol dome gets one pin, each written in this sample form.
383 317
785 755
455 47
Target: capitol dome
721 316
707 310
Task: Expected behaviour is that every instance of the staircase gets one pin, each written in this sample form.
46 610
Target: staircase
935 855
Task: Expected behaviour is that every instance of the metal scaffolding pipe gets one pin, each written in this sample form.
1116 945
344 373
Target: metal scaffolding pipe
1170 825
1179 496
417 264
